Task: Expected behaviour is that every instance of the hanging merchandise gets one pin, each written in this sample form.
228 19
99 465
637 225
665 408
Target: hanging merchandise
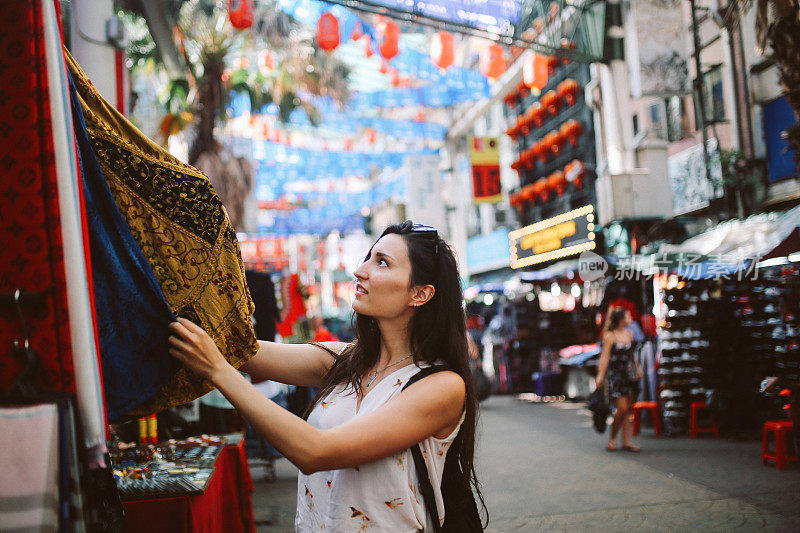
240 13
328 32
134 358
492 61
571 129
186 238
535 72
551 102
567 90
389 39
442 49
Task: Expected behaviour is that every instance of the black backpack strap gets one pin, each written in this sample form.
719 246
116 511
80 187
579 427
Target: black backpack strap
425 486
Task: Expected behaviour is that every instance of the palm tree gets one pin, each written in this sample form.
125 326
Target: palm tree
206 41
778 30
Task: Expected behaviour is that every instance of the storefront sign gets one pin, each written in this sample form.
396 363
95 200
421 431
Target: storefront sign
561 236
484 154
691 189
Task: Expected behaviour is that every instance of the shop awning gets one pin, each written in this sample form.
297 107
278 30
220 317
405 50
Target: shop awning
729 247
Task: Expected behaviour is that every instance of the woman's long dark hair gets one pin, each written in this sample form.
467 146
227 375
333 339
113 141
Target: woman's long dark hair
615 318
438 335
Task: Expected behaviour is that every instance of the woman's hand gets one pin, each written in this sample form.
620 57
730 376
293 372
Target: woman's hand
192 346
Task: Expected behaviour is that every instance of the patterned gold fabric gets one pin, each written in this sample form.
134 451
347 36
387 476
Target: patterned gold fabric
178 222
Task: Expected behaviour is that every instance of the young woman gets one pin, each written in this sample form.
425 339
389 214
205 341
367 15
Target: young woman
353 452
618 364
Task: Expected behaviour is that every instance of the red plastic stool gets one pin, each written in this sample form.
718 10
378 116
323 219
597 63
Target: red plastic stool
782 429
638 407
694 429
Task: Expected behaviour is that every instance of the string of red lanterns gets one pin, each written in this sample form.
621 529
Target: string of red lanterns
240 13
328 32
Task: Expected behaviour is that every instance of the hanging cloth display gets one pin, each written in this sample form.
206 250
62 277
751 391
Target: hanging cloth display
132 315
178 222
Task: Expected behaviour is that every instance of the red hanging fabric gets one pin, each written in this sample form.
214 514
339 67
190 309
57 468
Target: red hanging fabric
32 255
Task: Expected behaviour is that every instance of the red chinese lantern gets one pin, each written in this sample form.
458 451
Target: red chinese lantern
513 132
368 46
240 13
384 68
568 90
527 193
553 62
540 188
395 77
328 32
522 125
554 141
572 129
540 151
389 34
537 113
442 49
575 172
557 182
492 62
419 116
358 33
567 45
534 71
348 144
551 102
370 136
527 157
511 98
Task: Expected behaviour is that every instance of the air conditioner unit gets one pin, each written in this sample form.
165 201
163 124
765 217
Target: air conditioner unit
634 194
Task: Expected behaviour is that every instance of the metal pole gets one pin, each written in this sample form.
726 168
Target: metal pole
698 87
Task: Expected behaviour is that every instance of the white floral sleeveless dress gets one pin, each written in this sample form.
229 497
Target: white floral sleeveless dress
379 497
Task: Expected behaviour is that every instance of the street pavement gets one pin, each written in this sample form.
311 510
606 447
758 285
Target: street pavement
544 468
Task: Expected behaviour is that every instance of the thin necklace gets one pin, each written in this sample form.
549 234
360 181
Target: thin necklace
376 372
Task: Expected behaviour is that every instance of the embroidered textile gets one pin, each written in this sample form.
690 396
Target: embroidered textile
31 258
178 222
132 315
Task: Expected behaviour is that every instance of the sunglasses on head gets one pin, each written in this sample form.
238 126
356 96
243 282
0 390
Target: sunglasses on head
422 228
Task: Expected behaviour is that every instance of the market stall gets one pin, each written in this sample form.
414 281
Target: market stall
728 308
197 485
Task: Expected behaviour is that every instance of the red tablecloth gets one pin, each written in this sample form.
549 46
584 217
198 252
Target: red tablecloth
226 505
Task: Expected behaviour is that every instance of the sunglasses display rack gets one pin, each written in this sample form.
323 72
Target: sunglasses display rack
166 470
761 339
688 360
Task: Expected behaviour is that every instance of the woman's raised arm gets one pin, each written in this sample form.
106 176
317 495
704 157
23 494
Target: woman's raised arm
295 364
431 407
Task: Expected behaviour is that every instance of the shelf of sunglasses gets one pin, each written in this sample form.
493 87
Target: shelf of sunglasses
769 322
684 345
683 361
680 334
684 393
681 383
